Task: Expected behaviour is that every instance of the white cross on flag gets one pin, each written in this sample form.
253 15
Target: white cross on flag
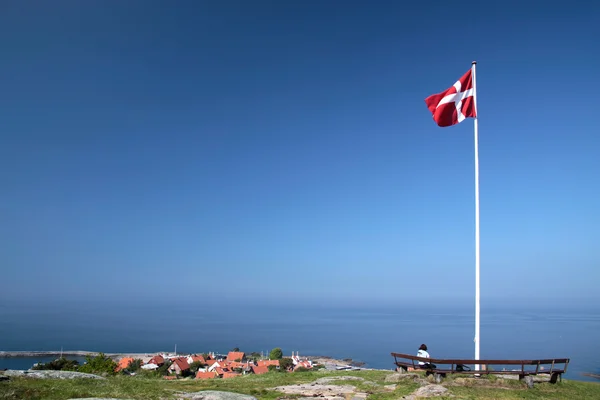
455 104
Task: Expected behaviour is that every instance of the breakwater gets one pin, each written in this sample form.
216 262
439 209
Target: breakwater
69 353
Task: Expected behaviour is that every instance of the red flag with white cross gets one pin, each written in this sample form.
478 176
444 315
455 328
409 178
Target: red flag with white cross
455 104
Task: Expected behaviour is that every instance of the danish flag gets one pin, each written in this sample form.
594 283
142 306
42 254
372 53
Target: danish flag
455 104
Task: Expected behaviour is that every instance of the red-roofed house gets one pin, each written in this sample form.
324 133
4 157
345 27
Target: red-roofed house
210 362
235 364
303 364
196 358
205 375
266 363
123 363
156 360
230 375
179 365
259 370
235 356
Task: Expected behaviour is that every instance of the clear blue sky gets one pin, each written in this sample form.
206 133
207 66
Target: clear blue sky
283 150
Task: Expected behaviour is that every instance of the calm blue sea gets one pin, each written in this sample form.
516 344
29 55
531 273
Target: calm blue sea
365 333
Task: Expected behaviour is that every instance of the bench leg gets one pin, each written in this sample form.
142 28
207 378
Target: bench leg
554 377
401 370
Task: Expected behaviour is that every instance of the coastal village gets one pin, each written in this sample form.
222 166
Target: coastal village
216 366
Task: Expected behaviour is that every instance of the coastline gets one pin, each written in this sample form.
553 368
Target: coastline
330 363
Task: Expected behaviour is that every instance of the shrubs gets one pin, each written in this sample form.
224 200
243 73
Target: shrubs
100 364
60 364
196 365
286 363
163 369
133 366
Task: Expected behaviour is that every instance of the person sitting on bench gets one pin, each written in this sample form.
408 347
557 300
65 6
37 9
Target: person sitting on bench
424 354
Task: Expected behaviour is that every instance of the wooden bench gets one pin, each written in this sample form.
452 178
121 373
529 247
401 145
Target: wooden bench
525 369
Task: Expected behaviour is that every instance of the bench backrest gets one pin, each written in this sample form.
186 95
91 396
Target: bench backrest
538 363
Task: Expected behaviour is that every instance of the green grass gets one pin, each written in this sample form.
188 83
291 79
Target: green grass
258 386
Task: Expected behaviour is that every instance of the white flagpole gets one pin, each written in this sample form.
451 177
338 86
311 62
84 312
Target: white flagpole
477 292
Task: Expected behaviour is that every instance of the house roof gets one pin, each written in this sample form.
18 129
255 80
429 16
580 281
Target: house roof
230 374
266 363
235 364
235 356
123 363
158 360
303 364
210 362
258 370
196 358
182 363
205 375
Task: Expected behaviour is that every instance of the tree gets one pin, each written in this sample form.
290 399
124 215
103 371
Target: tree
164 369
133 366
276 354
286 363
100 364
236 349
196 365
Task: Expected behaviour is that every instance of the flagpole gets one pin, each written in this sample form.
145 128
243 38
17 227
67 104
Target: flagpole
477 291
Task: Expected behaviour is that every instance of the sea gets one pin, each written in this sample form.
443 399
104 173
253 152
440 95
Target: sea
366 333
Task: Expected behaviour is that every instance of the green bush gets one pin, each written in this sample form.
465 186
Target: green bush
276 354
286 363
100 364
60 364
163 369
196 365
133 366
301 369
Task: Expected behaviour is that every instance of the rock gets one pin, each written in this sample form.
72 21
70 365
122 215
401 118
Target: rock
397 377
390 388
50 374
316 390
215 395
427 391
96 398
337 378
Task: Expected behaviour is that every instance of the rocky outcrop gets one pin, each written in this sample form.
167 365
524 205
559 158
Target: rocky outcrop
427 391
214 395
322 389
50 374
402 377
317 390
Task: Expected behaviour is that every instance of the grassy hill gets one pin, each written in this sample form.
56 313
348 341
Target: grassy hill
378 385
